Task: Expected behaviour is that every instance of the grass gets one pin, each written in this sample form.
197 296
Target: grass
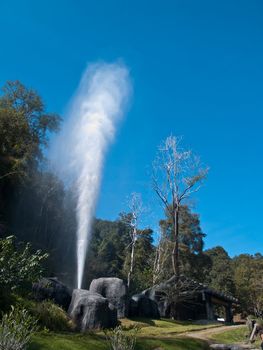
238 335
164 327
52 341
172 344
153 334
55 341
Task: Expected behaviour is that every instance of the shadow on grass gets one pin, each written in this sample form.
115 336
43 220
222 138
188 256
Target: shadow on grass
147 321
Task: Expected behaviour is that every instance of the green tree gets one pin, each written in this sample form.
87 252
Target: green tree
107 251
191 236
24 129
249 282
221 275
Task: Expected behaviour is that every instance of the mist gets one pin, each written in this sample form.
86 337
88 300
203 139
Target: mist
78 152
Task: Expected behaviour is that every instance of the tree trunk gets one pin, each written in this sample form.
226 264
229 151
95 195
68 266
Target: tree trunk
175 252
175 258
132 260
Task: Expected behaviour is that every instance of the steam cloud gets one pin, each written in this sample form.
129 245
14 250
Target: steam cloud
81 147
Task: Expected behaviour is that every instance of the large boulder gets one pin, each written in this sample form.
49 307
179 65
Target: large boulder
115 290
91 311
51 288
156 293
142 306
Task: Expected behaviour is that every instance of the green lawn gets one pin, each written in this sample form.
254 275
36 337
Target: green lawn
52 341
238 335
152 334
45 341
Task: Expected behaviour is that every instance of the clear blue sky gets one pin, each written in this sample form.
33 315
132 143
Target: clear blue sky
197 71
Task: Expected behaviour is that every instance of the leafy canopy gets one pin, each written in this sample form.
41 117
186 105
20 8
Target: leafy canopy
24 128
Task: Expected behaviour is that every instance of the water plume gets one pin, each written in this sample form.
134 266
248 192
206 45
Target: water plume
80 149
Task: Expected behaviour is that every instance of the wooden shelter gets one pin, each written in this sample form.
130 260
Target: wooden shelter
195 300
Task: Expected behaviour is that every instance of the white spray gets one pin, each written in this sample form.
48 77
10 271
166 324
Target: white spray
90 127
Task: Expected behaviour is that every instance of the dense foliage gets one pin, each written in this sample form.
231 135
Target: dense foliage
248 280
220 276
190 245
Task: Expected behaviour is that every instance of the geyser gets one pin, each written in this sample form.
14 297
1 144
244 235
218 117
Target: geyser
80 149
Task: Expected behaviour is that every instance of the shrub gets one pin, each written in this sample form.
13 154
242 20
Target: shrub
16 329
18 265
48 314
51 316
121 340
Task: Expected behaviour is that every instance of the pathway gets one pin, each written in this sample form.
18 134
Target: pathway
207 333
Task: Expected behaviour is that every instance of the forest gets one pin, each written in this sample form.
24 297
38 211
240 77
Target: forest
38 212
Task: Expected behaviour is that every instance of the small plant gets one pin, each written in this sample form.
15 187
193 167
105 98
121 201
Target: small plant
121 340
16 329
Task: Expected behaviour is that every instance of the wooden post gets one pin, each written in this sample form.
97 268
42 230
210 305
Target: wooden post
229 314
209 308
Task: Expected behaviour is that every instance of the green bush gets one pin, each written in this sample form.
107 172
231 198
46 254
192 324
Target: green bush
49 315
19 267
16 329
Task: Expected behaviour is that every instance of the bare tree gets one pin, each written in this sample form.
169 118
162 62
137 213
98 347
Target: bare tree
132 220
176 175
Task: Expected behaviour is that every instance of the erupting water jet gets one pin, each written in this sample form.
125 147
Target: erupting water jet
88 130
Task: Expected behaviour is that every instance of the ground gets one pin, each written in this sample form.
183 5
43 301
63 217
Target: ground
153 335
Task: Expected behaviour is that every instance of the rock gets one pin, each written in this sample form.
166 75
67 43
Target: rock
115 290
142 306
51 288
156 294
91 311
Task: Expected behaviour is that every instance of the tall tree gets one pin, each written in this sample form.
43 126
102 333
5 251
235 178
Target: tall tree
25 127
221 275
249 282
190 245
177 174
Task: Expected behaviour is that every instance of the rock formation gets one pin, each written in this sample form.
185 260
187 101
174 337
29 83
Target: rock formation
115 290
51 288
90 310
142 306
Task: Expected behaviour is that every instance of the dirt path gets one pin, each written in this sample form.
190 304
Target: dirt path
206 333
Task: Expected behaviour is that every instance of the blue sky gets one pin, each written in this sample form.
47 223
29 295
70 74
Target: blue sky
197 71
